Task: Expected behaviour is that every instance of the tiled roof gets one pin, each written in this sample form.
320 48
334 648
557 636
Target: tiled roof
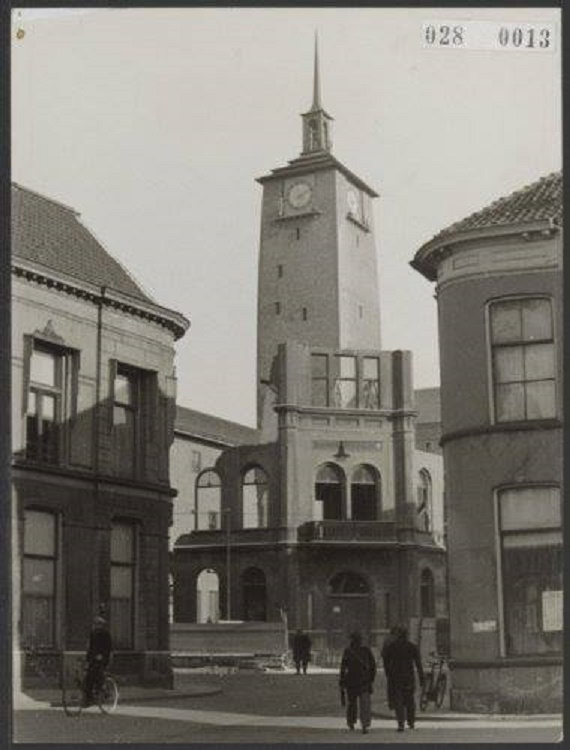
52 235
539 201
215 429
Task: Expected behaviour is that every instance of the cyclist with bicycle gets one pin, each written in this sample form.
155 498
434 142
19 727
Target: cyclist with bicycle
98 655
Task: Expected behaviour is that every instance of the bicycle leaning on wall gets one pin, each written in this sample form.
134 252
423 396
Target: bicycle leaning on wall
435 683
105 694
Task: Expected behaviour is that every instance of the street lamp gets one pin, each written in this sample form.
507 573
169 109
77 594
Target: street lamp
226 513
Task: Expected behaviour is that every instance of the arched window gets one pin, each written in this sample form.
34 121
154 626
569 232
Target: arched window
208 501
208 596
328 493
427 594
254 595
255 498
424 508
348 582
313 134
363 492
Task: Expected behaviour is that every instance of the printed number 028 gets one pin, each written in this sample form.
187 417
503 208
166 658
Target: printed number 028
448 35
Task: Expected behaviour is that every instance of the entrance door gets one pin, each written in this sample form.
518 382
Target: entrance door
349 608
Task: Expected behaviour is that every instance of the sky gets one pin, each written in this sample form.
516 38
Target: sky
154 123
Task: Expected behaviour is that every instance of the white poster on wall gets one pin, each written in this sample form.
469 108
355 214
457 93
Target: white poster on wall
551 610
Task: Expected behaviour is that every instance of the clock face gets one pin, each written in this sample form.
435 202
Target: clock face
352 200
299 194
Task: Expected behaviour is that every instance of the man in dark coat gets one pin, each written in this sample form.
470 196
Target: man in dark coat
98 655
357 674
301 651
390 638
400 656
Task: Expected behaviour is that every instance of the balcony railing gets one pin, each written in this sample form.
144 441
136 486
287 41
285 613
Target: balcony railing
348 531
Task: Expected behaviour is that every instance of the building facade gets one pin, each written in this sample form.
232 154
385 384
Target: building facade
499 290
330 519
93 407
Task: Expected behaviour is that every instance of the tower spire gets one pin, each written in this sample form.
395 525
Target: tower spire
316 122
316 78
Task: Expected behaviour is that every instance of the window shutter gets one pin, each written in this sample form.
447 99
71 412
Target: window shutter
28 348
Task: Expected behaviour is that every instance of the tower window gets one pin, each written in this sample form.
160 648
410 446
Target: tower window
305 314
278 308
360 311
298 233
280 271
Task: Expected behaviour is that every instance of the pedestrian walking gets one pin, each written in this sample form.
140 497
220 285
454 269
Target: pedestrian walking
400 656
390 638
98 655
301 651
357 674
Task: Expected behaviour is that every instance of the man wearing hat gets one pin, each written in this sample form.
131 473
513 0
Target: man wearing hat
98 655
357 673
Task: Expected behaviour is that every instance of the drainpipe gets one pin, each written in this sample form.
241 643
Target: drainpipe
96 439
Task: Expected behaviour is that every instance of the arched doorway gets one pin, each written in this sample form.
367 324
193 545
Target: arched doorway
363 493
349 607
254 595
208 596
329 493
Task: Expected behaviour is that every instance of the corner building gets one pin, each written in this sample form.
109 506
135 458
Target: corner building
93 388
499 292
331 518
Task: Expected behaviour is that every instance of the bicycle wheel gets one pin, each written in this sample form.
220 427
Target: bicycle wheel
108 696
72 697
426 692
440 688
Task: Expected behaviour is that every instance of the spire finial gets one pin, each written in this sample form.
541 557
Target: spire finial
316 79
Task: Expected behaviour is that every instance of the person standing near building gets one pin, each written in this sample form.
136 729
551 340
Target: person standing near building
399 658
357 674
301 651
98 655
390 638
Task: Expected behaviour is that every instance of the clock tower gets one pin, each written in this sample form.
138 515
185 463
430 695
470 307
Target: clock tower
317 263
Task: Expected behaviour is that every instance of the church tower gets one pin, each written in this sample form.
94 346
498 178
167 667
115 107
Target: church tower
317 263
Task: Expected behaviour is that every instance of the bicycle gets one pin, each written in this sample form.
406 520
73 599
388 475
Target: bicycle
435 683
106 694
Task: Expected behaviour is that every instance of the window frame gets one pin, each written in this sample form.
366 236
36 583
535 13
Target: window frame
337 378
522 344
133 566
199 486
261 522
499 556
56 562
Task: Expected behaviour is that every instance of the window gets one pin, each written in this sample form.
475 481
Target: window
370 383
531 569
298 233
363 494
196 460
254 498
254 595
427 594
345 382
329 493
208 596
522 345
39 579
305 314
424 507
126 418
123 569
348 582
44 408
208 501
280 271
319 380
277 308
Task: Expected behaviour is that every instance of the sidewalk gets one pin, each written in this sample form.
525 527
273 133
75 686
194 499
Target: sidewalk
129 694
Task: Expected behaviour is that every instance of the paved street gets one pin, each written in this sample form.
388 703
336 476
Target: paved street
258 707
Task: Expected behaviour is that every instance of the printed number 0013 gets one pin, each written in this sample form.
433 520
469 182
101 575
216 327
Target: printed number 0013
529 37
448 35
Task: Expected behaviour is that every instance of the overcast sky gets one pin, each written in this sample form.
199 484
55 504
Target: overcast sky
153 124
